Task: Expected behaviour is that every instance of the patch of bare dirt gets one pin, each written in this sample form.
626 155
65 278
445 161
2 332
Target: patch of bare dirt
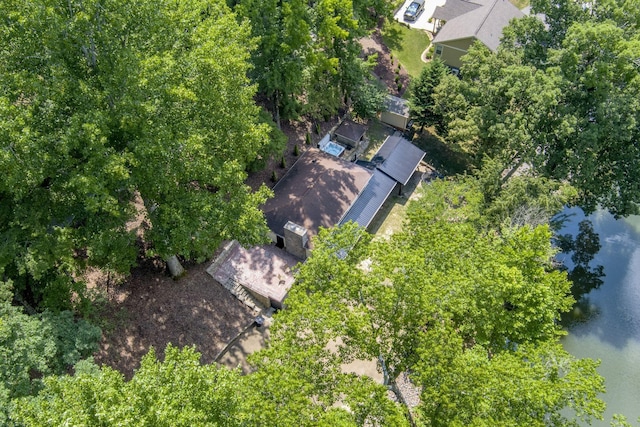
387 69
151 309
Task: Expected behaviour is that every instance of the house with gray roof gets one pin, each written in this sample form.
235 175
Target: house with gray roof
464 22
322 190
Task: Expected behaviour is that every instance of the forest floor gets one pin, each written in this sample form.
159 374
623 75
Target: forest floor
149 309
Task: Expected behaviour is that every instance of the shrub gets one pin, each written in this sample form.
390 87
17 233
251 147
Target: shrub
296 150
429 54
274 176
283 162
307 138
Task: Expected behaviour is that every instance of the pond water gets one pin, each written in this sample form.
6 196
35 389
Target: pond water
608 325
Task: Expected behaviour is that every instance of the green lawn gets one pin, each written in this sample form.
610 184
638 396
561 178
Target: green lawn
377 134
406 45
444 158
520 4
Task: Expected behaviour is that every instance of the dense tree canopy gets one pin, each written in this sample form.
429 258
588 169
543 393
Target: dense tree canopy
33 346
308 57
470 312
422 98
115 110
563 100
103 102
178 391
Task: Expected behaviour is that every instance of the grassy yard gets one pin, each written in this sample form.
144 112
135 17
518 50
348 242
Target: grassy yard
442 157
520 4
377 134
406 45
391 216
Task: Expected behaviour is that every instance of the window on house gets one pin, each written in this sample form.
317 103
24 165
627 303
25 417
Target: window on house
438 50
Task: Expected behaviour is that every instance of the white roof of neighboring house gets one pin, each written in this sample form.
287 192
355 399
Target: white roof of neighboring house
485 23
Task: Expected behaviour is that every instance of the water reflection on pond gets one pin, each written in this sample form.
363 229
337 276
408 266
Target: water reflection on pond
605 324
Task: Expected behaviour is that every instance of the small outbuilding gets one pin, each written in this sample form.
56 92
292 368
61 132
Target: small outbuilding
264 272
349 133
396 112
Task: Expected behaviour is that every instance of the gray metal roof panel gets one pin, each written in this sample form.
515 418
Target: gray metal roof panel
371 199
386 149
402 161
397 105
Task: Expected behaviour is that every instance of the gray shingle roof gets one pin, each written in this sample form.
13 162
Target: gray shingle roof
317 191
323 190
454 8
350 130
484 23
370 200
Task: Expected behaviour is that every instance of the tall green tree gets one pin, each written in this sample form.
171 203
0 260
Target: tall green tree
524 387
283 30
32 346
454 303
308 57
520 199
336 70
367 93
562 99
559 16
423 108
600 81
178 391
104 101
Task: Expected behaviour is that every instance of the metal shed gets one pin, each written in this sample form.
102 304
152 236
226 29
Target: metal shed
396 112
